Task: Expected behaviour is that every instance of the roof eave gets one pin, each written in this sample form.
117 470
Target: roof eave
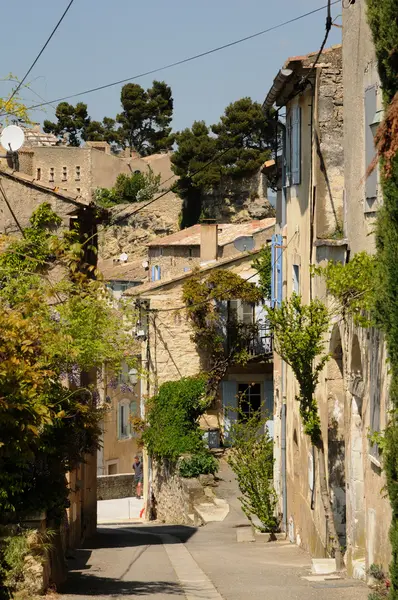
280 81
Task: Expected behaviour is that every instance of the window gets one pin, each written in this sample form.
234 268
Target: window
156 273
293 146
372 119
112 469
190 252
296 279
38 174
241 311
52 172
77 173
249 395
160 251
123 420
64 173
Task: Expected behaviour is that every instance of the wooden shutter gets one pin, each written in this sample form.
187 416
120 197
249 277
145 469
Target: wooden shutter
229 401
268 388
296 145
370 111
288 152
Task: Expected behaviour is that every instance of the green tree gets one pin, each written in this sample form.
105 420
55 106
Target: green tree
51 331
249 133
137 187
144 123
239 144
72 122
252 460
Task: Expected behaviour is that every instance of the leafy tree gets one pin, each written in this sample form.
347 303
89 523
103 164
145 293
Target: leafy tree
249 133
144 123
72 122
239 144
252 460
51 331
129 188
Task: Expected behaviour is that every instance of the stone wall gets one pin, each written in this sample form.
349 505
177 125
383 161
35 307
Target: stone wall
110 487
174 497
239 201
132 232
329 147
25 195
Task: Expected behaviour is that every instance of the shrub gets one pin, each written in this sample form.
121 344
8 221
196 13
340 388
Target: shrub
198 464
172 419
252 461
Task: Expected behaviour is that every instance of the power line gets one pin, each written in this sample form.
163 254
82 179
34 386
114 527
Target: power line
175 185
39 55
186 60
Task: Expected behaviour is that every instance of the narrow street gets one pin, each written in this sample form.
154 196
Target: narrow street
163 561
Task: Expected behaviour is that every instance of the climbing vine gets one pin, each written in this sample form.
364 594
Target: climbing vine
218 333
299 334
382 18
353 286
299 331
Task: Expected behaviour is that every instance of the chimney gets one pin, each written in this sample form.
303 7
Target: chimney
208 241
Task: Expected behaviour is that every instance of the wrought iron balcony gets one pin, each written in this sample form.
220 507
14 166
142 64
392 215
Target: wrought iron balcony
257 340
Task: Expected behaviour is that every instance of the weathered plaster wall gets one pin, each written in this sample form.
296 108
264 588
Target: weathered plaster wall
329 176
359 71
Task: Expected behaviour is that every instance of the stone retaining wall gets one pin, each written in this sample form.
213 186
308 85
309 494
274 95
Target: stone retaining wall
174 497
110 487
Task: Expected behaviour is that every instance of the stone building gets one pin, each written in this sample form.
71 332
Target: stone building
169 353
324 212
203 243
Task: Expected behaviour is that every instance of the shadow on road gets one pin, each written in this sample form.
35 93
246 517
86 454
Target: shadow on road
86 576
90 585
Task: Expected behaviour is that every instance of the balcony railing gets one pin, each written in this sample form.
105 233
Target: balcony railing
257 340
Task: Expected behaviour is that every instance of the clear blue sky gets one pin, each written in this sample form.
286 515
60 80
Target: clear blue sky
101 41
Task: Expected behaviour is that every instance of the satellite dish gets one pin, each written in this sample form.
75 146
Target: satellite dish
12 138
145 264
123 257
244 243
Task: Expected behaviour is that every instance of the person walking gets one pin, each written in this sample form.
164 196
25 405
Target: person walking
138 476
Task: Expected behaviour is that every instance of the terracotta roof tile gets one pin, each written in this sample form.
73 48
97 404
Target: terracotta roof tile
227 233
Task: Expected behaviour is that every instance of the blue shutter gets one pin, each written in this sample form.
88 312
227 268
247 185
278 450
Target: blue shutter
229 401
279 281
153 274
288 152
159 273
296 145
370 111
268 387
